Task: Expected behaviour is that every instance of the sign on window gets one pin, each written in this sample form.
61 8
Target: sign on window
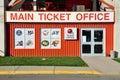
50 38
24 38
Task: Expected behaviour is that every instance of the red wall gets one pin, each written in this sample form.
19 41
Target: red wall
68 48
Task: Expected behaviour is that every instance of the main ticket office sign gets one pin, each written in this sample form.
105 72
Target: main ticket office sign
59 17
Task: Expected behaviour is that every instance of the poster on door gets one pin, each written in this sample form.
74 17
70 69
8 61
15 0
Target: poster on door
70 33
24 38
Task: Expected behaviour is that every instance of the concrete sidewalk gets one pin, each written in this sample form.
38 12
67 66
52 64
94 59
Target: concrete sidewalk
104 65
4 70
97 65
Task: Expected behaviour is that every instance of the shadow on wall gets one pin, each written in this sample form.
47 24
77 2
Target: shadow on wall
7 40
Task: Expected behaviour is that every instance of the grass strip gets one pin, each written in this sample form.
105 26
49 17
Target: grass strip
42 61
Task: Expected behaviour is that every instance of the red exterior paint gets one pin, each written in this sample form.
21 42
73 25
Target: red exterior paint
68 47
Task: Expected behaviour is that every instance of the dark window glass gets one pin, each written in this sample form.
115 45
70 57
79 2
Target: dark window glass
87 33
98 35
86 48
98 48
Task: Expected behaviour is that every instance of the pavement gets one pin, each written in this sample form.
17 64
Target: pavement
105 65
97 65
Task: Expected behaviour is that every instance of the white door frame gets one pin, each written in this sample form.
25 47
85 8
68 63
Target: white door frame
92 43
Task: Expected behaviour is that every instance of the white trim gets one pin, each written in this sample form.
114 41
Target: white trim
104 42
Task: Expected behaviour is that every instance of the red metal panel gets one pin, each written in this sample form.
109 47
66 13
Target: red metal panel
68 47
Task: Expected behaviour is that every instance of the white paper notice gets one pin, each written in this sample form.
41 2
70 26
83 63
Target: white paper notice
84 38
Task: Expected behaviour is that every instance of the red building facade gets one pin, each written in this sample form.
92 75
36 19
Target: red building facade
72 32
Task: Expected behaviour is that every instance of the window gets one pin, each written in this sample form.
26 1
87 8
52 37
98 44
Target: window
98 34
98 48
50 38
86 48
87 35
24 38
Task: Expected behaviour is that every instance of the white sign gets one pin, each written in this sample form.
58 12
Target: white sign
84 38
55 43
55 33
56 38
45 38
45 43
19 38
29 38
70 33
24 38
45 33
61 17
50 38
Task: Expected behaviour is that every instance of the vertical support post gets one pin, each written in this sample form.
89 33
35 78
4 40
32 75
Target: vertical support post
34 5
94 5
2 29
